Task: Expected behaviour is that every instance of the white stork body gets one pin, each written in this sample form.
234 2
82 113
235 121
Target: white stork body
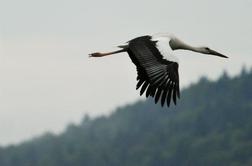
157 66
163 46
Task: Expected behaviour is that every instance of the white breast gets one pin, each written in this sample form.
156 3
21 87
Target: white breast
164 47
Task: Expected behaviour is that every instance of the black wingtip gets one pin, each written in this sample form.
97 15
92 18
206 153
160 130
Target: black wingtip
149 91
178 92
158 95
174 96
139 84
168 99
145 85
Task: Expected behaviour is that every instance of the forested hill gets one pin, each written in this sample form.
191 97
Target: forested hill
211 125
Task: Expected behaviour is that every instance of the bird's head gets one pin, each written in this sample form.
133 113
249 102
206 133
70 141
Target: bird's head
207 50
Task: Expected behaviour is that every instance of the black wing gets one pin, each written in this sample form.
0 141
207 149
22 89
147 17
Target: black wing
157 77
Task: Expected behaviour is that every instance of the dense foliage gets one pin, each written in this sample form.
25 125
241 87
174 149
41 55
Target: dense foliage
212 125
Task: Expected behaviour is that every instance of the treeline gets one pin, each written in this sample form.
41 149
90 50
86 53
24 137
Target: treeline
211 125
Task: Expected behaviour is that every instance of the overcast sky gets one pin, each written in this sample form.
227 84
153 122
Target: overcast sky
47 80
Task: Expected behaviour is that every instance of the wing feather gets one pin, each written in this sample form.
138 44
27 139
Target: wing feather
145 85
140 82
157 77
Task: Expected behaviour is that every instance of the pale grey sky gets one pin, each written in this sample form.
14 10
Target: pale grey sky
48 81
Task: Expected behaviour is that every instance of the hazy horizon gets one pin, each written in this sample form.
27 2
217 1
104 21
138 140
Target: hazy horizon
47 80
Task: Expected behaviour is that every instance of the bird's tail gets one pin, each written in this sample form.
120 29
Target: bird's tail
99 54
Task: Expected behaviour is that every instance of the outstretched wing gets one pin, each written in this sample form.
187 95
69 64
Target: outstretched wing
157 77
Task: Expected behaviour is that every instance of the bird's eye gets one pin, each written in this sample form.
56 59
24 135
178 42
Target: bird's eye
207 48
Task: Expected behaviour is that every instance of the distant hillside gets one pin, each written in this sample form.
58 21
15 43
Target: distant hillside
210 126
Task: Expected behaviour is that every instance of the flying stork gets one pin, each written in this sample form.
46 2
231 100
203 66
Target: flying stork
157 67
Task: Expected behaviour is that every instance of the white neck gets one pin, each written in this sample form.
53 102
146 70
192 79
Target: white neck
181 45
195 49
